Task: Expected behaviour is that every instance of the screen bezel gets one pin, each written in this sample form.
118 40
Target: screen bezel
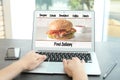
64 49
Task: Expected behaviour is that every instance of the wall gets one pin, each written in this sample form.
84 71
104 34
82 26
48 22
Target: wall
22 18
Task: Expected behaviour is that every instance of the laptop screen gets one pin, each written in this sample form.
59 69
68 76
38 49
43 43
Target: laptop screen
63 29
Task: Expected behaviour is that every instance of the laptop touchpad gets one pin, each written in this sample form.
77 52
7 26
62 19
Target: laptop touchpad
54 67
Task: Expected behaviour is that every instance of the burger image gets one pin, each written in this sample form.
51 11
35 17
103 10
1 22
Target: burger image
61 29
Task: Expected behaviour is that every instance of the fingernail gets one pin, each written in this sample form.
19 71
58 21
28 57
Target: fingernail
64 59
45 56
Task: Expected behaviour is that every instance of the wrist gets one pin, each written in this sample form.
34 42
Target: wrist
21 65
81 75
76 76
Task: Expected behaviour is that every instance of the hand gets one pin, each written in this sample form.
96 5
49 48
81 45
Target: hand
31 60
75 68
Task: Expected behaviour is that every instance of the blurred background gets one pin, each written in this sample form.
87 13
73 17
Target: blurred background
64 4
16 16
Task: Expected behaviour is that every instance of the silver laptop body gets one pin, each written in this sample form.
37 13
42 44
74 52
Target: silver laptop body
83 40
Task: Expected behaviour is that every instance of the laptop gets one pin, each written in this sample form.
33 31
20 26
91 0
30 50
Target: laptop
64 34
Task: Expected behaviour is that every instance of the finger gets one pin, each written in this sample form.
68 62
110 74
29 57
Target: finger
38 55
75 59
65 65
83 61
68 61
40 60
64 62
42 57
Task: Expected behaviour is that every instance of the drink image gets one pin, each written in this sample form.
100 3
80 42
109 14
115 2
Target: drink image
80 28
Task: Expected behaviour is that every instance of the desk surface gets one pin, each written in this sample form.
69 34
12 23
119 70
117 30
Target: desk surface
107 53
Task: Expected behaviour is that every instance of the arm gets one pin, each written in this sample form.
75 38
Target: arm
30 61
11 71
75 69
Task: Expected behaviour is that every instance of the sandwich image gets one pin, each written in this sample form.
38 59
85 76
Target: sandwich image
61 29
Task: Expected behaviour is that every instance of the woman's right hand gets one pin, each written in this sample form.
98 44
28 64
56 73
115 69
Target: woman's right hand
75 68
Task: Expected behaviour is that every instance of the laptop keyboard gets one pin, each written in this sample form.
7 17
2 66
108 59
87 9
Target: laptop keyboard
59 56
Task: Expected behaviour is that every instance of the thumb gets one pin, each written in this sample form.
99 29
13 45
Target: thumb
42 58
64 63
